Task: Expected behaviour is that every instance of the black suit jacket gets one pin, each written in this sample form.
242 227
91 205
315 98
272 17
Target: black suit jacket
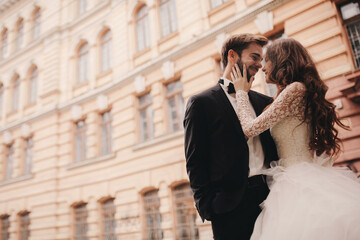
216 150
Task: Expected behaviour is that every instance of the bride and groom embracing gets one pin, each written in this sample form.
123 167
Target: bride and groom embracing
234 137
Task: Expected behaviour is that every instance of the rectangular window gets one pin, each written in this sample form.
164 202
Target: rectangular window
106 133
81 226
24 226
37 24
142 29
9 162
217 3
106 51
109 230
33 86
16 94
350 12
80 141
82 6
168 17
20 34
152 216
146 117
4 43
175 105
5 225
28 156
83 63
186 214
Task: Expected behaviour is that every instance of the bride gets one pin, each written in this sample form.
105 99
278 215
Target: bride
309 199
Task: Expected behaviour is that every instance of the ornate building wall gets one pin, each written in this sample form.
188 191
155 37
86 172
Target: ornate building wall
140 171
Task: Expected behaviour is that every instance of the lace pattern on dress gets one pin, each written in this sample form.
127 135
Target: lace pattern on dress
289 103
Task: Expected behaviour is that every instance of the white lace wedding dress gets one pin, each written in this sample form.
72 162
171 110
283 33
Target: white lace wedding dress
309 199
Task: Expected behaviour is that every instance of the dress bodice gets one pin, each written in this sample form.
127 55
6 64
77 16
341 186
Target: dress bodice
285 119
291 137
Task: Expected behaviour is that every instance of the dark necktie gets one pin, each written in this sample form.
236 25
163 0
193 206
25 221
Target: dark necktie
231 88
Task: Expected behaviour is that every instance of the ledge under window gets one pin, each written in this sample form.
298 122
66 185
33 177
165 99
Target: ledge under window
90 161
15 180
158 140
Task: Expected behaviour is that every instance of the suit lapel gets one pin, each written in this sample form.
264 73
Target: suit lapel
228 108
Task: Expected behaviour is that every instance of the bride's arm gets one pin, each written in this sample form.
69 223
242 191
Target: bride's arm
288 103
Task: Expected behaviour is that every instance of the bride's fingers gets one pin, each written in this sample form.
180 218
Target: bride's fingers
238 71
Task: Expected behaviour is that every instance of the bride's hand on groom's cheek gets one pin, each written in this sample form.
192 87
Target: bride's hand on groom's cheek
240 80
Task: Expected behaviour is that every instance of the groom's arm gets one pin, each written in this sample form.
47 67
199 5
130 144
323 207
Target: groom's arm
196 152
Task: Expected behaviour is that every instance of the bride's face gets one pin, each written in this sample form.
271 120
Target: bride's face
266 69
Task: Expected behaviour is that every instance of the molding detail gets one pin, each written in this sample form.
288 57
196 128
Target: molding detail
139 84
76 112
25 130
220 39
168 70
264 22
7 137
102 102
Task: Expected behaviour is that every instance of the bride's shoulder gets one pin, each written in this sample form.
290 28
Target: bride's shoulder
296 87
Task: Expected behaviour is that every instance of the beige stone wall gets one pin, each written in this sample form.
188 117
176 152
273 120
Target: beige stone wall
57 182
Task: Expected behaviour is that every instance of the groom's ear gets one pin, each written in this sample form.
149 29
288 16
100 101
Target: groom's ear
232 56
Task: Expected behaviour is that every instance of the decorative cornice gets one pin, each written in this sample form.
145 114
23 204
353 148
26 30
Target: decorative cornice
229 25
6 4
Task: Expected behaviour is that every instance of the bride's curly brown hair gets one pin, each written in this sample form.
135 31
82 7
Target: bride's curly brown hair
291 62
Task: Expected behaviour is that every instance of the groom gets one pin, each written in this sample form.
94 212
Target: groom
223 166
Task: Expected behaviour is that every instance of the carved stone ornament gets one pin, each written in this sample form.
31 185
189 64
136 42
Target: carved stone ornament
139 84
220 39
25 130
168 70
102 102
76 112
7 137
264 22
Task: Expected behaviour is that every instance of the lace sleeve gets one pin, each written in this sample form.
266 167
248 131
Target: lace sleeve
288 103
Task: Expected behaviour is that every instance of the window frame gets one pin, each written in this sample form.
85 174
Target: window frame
36 24
24 225
19 33
33 83
143 34
80 214
108 212
146 108
169 19
83 63
176 94
4 42
106 124
5 226
151 204
106 51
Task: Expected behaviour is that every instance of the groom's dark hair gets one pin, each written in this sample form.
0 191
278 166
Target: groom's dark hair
238 43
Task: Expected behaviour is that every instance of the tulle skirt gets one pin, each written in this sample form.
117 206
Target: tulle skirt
308 201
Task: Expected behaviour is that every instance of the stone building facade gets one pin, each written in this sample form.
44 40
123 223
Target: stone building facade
92 95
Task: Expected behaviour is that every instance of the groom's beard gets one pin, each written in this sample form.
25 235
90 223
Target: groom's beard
240 64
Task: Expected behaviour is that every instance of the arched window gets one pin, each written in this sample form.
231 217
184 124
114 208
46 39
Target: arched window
142 28
106 51
33 85
185 213
36 24
20 33
16 93
153 218
4 42
168 17
83 63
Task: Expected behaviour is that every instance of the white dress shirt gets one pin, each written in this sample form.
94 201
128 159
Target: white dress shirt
256 153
